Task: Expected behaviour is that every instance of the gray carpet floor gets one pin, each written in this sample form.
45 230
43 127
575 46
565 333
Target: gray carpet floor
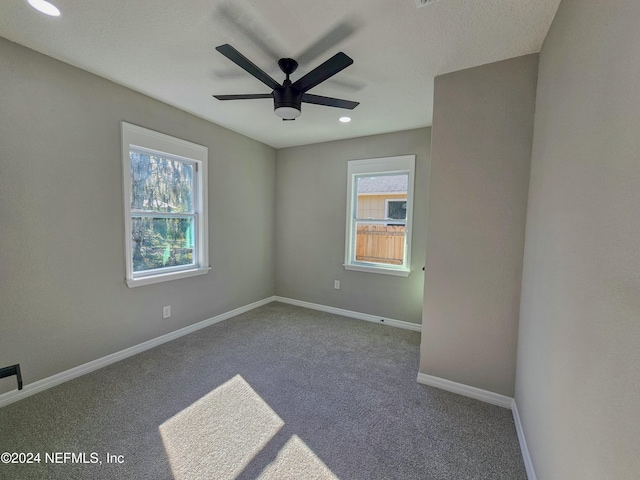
278 392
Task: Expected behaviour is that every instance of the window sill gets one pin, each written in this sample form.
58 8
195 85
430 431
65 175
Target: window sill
165 277
371 269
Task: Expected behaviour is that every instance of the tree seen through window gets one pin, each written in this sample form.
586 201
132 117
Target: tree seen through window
162 211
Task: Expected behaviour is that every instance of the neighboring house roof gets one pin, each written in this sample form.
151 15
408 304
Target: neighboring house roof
382 184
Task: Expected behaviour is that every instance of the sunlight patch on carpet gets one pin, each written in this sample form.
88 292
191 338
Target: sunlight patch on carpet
296 460
219 435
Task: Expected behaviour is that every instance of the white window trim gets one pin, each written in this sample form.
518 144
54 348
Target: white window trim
141 138
385 165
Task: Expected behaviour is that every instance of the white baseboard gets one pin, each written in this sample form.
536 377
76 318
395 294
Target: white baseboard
526 457
349 313
489 397
57 379
459 388
466 390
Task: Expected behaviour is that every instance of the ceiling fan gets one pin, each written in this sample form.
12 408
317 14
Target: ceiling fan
288 97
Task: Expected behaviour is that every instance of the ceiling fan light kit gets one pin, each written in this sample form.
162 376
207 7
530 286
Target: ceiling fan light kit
287 113
288 97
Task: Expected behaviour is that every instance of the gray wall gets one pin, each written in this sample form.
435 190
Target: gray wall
311 195
481 150
578 377
63 299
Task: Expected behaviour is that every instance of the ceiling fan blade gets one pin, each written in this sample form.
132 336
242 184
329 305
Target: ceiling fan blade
248 96
329 101
335 64
329 40
243 62
250 25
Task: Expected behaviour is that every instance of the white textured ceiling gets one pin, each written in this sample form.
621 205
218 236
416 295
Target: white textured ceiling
166 49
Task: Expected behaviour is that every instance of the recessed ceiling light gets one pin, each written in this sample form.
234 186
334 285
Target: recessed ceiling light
45 7
345 119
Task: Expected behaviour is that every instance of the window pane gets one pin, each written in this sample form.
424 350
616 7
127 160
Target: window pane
397 209
161 242
160 184
374 191
380 243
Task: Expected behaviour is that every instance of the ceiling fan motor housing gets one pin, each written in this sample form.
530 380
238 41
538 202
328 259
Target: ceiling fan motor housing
287 96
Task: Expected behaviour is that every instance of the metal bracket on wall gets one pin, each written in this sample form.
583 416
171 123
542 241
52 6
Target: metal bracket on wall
12 370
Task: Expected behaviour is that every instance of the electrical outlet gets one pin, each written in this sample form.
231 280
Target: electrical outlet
166 311
336 284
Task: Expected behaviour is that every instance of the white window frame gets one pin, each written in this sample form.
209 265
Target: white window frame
143 139
372 166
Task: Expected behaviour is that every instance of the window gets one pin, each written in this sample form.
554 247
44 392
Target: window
379 212
165 206
396 209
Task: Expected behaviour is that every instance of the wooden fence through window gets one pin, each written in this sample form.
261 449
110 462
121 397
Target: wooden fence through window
380 244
